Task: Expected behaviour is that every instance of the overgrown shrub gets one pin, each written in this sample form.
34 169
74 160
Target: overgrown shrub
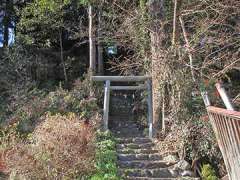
27 107
200 140
61 147
50 135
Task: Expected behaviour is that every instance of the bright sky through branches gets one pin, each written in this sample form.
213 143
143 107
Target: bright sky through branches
11 33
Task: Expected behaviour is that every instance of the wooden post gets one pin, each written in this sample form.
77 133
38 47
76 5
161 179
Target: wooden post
150 108
106 104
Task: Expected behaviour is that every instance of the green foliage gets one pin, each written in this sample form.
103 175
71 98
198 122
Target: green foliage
9 137
106 157
45 15
199 141
42 21
3 108
30 105
208 172
195 104
58 110
84 2
14 68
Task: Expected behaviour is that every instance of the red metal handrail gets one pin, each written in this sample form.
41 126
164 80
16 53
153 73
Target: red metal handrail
226 125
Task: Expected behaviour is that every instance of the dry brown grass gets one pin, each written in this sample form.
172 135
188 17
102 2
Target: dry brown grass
61 147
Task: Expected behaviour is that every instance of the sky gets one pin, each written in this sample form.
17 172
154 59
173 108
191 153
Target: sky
11 36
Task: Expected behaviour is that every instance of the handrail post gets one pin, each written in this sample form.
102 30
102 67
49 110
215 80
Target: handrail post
224 96
150 108
205 98
106 104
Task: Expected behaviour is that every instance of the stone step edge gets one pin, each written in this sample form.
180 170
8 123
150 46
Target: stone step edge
140 154
152 178
171 170
138 144
149 161
126 165
134 139
151 173
141 169
138 151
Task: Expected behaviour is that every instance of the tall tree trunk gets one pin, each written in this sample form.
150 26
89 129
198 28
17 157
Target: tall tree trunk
174 22
92 42
100 45
158 55
62 58
176 33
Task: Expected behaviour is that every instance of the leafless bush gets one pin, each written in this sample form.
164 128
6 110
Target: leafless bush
61 147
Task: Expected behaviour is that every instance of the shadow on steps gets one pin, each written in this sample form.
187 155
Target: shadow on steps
126 126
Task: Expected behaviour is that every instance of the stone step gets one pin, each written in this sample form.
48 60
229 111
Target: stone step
126 131
151 173
137 140
124 126
141 134
145 164
147 178
139 157
125 134
135 146
137 151
122 120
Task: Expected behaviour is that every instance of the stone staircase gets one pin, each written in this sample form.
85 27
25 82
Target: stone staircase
137 157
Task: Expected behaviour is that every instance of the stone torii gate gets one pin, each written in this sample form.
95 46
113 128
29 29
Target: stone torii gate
147 86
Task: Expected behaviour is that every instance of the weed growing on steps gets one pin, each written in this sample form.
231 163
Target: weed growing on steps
208 172
106 157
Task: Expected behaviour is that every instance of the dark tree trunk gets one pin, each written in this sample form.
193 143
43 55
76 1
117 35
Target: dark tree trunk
62 57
